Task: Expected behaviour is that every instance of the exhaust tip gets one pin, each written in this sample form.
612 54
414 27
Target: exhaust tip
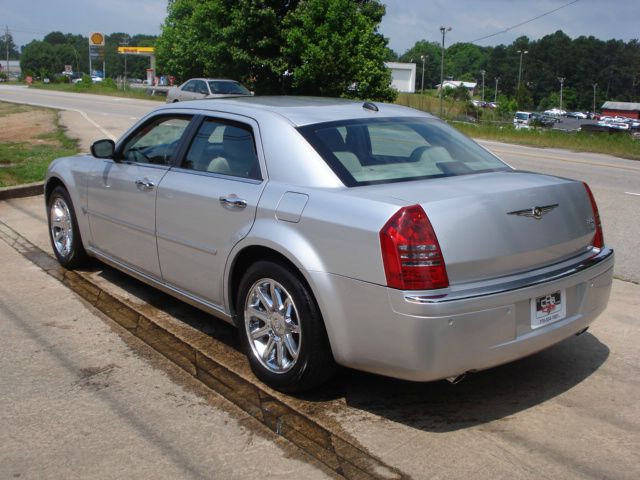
582 331
456 378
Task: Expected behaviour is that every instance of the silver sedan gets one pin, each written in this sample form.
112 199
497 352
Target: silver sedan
334 232
199 88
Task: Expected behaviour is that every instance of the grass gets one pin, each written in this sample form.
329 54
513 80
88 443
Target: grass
618 144
97 89
26 162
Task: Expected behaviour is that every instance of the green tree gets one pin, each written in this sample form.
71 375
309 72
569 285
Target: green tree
13 51
40 58
270 45
333 49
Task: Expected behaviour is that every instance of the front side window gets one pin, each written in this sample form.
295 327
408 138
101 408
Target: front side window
385 150
189 86
223 148
156 142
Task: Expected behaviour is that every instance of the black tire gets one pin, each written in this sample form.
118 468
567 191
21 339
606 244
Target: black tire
63 230
314 363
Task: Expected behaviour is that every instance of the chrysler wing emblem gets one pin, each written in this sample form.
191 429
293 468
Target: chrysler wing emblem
535 212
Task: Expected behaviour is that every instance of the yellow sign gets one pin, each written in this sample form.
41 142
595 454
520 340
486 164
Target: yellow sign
137 50
96 39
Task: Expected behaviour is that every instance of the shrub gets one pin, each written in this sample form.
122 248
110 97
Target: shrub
109 83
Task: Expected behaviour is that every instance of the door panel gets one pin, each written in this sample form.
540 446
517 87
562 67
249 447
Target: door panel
206 206
122 213
196 231
122 195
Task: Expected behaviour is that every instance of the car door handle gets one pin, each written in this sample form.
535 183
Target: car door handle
233 202
144 184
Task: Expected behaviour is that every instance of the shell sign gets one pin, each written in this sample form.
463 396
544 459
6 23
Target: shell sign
96 39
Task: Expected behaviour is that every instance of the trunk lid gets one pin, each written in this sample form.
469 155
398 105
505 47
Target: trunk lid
504 223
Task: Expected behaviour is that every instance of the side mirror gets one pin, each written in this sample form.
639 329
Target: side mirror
103 148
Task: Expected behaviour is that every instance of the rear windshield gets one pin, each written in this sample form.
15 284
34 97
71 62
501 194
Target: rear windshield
385 150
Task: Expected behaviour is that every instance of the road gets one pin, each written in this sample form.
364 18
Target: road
614 181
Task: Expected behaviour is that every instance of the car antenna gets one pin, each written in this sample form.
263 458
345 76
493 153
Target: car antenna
370 106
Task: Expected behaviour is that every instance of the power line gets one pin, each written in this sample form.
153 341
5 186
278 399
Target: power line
525 22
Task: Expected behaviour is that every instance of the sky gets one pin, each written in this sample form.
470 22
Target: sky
406 21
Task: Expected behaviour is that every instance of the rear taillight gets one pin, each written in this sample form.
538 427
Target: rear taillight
598 238
410 252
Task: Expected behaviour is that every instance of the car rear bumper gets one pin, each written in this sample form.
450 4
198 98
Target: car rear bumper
421 337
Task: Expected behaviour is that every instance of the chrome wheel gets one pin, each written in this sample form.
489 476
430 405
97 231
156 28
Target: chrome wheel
272 325
61 227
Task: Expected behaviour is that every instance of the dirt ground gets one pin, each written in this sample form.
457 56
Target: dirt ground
24 124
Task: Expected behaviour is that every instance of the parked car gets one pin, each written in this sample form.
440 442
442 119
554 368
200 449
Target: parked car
198 88
522 120
331 231
542 120
580 115
556 112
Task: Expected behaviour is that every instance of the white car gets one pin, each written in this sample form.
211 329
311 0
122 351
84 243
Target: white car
199 88
556 112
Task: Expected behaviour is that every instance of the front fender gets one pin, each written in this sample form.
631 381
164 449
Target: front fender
72 173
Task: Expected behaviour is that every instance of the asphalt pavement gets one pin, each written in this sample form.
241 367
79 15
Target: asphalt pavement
82 398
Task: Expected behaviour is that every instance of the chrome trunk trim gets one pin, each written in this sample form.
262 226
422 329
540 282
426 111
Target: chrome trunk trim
437 298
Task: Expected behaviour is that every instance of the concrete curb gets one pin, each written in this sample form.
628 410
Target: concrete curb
218 366
27 190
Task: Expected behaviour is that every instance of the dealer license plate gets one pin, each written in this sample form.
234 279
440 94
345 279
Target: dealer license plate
548 309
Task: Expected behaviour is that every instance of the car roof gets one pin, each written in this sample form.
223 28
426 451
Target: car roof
302 111
213 80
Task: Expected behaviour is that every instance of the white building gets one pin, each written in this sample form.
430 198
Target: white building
403 76
13 68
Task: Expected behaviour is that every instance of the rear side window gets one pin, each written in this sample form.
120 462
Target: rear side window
223 148
384 150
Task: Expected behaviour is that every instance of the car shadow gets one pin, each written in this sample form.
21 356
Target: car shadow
481 397
439 406
195 318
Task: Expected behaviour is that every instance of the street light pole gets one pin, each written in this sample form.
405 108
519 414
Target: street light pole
495 94
124 41
522 53
423 58
443 30
561 80
594 97
483 72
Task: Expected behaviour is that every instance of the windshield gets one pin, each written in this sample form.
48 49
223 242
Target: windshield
233 88
522 116
372 151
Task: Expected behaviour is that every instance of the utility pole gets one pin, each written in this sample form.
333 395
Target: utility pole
423 58
595 85
443 30
521 52
483 72
495 94
561 80
6 43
